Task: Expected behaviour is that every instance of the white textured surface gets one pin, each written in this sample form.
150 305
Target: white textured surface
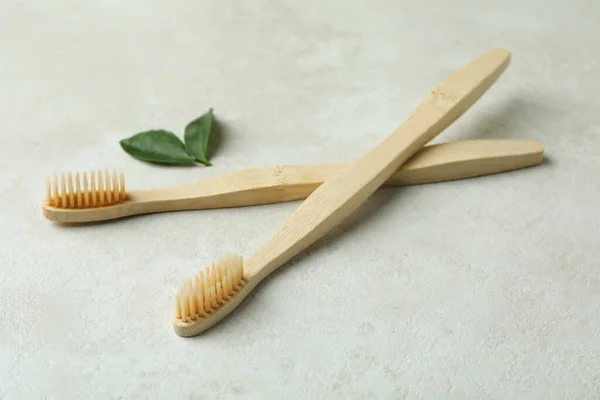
483 288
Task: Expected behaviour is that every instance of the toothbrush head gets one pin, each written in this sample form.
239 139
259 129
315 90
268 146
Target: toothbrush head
85 190
208 296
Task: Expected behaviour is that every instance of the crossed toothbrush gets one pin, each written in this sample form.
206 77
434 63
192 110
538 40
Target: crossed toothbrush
331 192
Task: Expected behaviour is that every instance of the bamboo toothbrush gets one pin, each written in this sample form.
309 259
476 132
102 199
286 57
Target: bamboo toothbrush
215 292
99 196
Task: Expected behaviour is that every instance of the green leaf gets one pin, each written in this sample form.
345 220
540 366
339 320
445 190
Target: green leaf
197 136
157 146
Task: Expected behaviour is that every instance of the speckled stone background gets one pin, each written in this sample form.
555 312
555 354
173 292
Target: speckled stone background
478 289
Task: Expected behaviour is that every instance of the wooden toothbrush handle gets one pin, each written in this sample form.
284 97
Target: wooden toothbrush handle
277 184
338 197
466 159
434 163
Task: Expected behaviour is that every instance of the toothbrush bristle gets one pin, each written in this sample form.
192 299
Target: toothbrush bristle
204 293
69 190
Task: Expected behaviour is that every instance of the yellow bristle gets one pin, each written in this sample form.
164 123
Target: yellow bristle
234 281
93 191
192 297
206 289
86 192
48 192
71 191
240 269
78 189
211 291
229 286
212 287
122 186
63 190
55 191
224 270
224 293
115 183
217 272
178 306
219 292
197 287
184 305
199 293
108 187
100 187
211 278
213 298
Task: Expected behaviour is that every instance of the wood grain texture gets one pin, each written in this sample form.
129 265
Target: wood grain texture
276 184
341 195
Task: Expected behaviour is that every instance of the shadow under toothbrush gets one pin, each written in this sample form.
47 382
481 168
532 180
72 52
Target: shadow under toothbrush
517 117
